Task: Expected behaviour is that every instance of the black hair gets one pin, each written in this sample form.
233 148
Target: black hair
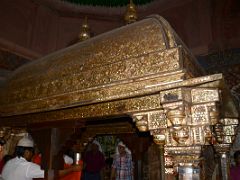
109 161
6 158
69 152
2 141
236 154
20 150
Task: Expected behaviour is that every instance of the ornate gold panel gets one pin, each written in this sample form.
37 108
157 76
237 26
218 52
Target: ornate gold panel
113 108
169 171
89 96
198 135
152 63
97 70
201 113
124 90
202 95
229 121
222 148
184 151
151 120
157 120
229 130
171 95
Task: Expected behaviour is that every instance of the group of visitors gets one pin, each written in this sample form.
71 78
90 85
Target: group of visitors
24 167
94 163
21 166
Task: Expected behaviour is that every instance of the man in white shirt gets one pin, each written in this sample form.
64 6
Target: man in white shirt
20 167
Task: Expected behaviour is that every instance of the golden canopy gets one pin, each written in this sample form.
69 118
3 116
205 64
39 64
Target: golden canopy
141 70
115 65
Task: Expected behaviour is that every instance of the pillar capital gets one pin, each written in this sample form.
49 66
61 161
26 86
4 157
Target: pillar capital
189 118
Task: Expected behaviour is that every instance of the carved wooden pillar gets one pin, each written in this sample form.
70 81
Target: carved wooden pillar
162 161
50 141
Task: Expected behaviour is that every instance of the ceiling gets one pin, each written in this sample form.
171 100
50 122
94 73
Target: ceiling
106 3
31 29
